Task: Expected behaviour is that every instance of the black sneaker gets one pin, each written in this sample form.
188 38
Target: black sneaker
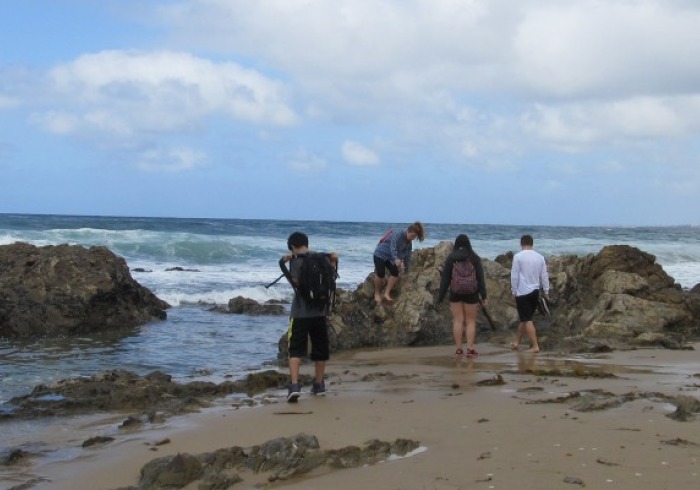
318 388
294 393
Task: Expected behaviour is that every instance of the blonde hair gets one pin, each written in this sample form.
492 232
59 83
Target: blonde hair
418 229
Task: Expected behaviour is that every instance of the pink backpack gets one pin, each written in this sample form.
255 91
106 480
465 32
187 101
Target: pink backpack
464 278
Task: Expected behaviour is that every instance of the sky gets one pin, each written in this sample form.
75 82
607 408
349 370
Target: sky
542 112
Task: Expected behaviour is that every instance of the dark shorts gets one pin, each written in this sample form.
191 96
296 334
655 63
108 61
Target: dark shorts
381 265
470 299
527 305
301 330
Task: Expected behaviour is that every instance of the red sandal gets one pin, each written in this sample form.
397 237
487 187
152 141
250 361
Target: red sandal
458 354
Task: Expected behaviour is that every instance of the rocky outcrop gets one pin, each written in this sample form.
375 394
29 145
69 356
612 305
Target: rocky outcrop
116 390
619 298
246 306
415 317
281 459
69 289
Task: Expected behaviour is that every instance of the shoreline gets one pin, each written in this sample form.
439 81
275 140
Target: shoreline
474 431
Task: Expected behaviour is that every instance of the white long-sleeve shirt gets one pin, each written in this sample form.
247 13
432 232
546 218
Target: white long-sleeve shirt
528 273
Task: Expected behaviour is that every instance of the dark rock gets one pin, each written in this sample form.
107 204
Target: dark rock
123 390
131 423
241 305
506 259
283 458
97 440
574 480
12 456
687 408
69 290
171 472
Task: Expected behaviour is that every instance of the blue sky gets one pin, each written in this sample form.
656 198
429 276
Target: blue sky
550 112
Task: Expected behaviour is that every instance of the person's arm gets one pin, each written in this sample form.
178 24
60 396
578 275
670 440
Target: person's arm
394 243
445 277
285 270
544 279
406 256
481 280
334 259
514 275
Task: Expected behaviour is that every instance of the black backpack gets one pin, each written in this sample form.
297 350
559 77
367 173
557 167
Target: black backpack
317 280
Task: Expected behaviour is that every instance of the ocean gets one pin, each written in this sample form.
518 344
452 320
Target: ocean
225 258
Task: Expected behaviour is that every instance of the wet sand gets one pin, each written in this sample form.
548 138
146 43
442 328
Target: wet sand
474 431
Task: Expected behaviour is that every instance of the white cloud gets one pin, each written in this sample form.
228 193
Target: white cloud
120 93
571 74
611 47
581 125
173 160
305 161
356 154
8 102
56 122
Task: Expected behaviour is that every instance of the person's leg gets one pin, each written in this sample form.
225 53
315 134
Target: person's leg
294 366
518 335
457 325
470 321
390 283
378 288
379 272
532 335
524 307
320 370
320 352
296 344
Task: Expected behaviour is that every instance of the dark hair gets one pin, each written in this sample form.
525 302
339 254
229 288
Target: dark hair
527 240
296 240
418 229
462 241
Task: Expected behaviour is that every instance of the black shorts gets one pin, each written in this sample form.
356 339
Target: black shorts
380 266
470 299
301 330
527 305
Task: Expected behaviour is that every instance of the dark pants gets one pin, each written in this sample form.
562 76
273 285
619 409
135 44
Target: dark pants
527 305
301 330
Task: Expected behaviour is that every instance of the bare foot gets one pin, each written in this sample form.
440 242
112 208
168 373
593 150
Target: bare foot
378 299
533 350
514 346
388 299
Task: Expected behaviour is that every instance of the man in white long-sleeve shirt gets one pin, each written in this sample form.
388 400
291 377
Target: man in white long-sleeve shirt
527 275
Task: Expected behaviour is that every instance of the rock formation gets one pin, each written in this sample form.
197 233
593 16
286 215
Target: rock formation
616 299
69 289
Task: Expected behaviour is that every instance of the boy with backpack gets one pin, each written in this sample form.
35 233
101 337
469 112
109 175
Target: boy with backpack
313 277
463 275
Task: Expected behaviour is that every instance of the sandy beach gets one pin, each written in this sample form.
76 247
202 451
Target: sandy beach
507 420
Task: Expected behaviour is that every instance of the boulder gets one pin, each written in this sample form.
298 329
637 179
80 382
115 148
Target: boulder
414 317
68 290
240 305
618 298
